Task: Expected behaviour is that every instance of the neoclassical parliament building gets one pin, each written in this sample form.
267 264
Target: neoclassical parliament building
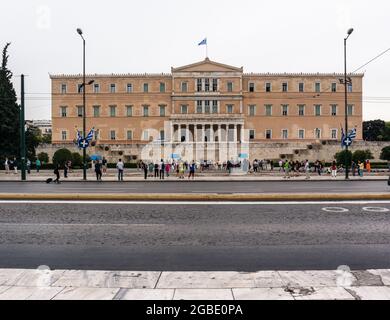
205 102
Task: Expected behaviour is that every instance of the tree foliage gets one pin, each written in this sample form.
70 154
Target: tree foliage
61 156
362 155
33 139
376 130
9 111
77 160
43 157
343 156
385 154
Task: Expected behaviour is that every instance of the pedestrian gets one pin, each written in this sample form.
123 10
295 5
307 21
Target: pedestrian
181 170
272 165
368 166
6 166
38 165
98 170
15 165
120 166
104 165
334 169
156 170
162 169
57 173
287 169
145 169
66 169
28 166
307 169
151 169
361 169
167 168
280 165
353 167
192 171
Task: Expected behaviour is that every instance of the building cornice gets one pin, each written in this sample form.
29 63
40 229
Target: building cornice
112 75
302 74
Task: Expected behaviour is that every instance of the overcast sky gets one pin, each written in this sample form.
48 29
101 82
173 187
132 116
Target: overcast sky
151 36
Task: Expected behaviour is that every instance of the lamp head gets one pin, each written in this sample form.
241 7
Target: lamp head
350 31
79 31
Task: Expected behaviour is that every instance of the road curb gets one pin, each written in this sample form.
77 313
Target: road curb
198 197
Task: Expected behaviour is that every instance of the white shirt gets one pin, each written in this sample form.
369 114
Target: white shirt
120 165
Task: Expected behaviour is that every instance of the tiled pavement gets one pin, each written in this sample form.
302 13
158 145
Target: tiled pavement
44 284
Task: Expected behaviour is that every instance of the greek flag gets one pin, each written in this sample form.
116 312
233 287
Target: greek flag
79 137
203 42
352 134
90 135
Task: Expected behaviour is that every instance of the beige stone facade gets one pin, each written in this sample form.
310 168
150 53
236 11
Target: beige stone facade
205 102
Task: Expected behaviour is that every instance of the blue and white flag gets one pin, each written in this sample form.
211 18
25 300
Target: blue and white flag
352 134
203 42
90 135
79 137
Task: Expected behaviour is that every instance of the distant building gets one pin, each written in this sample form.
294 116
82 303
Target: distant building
45 126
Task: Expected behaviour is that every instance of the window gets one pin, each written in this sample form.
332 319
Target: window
317 108
162 135
334 134
350 109
96 88
80 88
268 87
112 88
64 88
334 109
268 134
112 135
129 88
184 109
184 87
301 110
162 111
162 87
229 108
63 112
230 86
199 108
251 134
129 135
146 87
284 134
301 134
215 106
63 135
145 135
301 87
145 111
112 111
207 85
80 111
334 87
215 85
317 87
96 111
252 110
268 110
129 111
284 87
199 85
96 135
207 106
349 87
317 133
251 87
285 110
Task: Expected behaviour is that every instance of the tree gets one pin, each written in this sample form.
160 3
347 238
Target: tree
385 154
61 156
46 139
43 157
362 155
33 139
342 156
9 111
376 130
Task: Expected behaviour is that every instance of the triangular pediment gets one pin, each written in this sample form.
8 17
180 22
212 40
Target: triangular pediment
207 66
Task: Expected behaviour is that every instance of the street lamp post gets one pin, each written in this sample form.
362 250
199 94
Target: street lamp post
346 82
80 32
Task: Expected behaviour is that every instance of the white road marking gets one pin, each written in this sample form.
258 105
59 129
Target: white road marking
375 209
335 209
358 202
81 224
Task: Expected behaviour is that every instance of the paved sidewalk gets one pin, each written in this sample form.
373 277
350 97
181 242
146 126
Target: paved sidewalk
43 284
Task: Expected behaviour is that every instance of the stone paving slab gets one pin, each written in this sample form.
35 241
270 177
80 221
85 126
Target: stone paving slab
310 278
371 293
203 294
30 293
87 294
322 293
384 275
261 294
145 294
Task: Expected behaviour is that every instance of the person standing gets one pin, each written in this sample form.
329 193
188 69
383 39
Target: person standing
156 170
145 169
6 166
57 173
192 171
368 166
98 170
104 165
28 166
120 166
162 169
66 169
307 169
334 169
151 169
287 170
38 165
167 168
353 167
15 165
361 169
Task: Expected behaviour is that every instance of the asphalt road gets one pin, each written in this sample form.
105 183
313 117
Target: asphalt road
174 186
196 237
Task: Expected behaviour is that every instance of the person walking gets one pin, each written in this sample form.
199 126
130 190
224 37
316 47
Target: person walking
145 170
104 165
156 170
353 167
15 165
368 166
57 173
38 165
98 170
307 169
334 169
151 169
162 169
28 166
120 166
181 170
6 166
287 170
167 169
361 169
192 171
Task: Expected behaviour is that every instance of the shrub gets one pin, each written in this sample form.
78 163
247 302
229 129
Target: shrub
342 156
61 156
77 160
385 154
43 157
362 155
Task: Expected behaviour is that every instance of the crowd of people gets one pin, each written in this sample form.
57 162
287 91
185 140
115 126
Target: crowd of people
161 169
